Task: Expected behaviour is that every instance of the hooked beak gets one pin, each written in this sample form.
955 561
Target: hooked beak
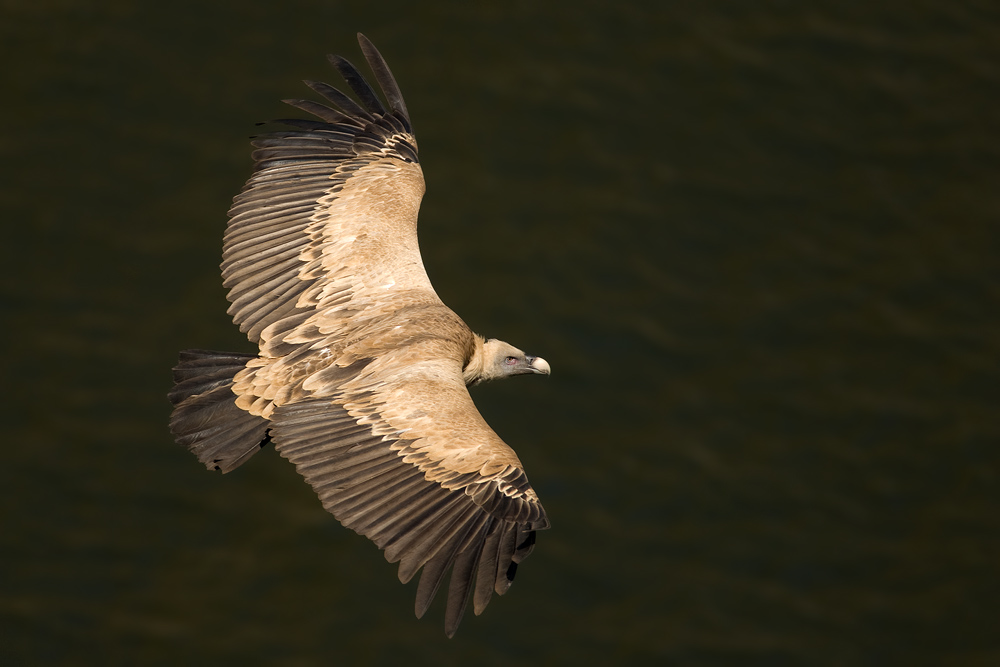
538 365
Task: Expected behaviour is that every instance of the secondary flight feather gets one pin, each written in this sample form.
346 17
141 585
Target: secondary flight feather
362 371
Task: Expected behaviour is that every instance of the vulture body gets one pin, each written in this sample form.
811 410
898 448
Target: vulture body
362 372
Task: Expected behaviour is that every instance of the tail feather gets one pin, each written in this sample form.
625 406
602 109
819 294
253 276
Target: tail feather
206 419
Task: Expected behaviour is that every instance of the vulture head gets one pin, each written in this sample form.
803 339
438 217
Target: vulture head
494 359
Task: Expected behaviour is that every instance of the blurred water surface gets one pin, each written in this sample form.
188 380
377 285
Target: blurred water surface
757 242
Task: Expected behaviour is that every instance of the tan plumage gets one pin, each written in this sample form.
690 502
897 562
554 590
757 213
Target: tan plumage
362 373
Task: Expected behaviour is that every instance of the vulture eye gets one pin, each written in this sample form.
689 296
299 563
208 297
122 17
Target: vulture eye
510 361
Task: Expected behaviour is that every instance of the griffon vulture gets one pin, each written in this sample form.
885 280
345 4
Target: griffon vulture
362 372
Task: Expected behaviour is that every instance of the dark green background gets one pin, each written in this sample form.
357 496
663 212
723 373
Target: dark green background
758 243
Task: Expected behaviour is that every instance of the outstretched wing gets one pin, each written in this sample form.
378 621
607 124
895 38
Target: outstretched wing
327 222
398 452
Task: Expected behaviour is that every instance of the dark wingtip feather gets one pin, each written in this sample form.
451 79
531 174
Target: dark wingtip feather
345 103
430 580
322 111
357 82
462 573
486 576
505 554
384 76
525 544
303 124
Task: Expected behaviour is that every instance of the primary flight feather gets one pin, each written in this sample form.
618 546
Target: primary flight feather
362 372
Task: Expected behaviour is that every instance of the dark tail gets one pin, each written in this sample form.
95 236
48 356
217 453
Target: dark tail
206 419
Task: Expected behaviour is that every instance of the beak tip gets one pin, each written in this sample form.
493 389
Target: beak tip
541 366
